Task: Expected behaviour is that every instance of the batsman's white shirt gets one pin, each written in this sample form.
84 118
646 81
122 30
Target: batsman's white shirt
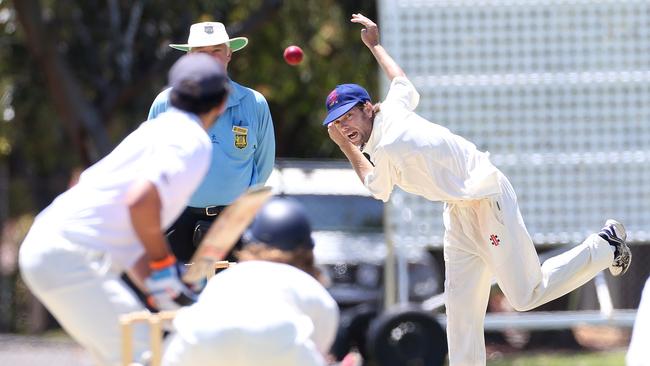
421 157
77 248
173 153
256 313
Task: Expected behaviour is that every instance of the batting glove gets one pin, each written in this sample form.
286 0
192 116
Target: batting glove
166 289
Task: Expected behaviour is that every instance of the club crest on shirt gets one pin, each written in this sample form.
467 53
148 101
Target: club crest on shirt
241 136
494 239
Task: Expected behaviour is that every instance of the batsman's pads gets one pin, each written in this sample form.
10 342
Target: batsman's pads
166 289
406 336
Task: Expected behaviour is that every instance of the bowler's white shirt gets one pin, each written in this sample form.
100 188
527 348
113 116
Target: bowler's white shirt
258 313
173 152
421 157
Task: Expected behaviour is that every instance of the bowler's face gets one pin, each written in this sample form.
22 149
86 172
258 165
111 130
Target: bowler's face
356 124
220 52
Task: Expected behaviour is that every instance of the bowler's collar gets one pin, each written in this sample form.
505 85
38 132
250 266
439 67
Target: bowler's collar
375 134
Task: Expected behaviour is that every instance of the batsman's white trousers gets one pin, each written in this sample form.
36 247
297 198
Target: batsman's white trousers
81 291
487 238
639 354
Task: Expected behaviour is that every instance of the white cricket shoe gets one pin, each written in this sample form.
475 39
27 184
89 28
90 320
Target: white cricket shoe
614 234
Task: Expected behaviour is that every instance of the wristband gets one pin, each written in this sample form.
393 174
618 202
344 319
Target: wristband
168 261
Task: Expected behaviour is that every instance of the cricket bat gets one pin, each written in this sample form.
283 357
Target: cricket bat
225 231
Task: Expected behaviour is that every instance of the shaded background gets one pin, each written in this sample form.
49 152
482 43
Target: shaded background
77 76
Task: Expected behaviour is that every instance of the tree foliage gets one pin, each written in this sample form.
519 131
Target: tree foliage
77 76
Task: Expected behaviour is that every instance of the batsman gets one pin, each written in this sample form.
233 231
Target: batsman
485 235
113 220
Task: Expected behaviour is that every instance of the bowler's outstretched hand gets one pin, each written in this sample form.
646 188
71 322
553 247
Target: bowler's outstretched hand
370 34
370 37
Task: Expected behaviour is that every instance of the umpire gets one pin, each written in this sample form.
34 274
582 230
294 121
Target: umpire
113 220
243 142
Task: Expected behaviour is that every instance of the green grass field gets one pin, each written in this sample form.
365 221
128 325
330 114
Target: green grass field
610 358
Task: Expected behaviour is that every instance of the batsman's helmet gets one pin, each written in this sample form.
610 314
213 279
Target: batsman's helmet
281 223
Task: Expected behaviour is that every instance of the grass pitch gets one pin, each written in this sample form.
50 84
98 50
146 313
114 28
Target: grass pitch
609 358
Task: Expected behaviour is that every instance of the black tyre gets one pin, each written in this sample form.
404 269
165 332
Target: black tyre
406 336
352 330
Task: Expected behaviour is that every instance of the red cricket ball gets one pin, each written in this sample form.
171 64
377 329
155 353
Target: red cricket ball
293 55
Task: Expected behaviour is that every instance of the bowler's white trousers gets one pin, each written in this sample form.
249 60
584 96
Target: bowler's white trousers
82 291
487 238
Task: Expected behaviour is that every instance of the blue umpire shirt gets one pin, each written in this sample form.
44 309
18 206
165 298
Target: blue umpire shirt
243 146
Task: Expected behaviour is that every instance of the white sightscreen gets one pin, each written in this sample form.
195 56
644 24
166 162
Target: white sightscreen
557 91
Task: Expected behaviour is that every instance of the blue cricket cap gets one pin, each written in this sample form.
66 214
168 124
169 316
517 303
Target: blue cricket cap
197 76
342 99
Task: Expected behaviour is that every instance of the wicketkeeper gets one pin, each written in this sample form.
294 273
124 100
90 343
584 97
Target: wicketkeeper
114 218
485 235
269 309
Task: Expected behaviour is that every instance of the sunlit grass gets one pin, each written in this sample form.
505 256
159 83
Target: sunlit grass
610 358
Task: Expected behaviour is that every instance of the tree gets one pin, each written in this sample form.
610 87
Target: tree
77 76
80 75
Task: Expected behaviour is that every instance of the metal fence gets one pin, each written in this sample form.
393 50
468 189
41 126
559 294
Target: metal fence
556 91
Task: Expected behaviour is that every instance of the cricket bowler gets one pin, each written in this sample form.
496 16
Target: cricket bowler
113 220
485 235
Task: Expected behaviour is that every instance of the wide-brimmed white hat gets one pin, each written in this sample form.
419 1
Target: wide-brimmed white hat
210 34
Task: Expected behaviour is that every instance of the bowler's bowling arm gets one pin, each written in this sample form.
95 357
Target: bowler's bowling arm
390 67
370 37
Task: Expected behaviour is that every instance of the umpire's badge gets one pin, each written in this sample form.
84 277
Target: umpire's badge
241 137
208 29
